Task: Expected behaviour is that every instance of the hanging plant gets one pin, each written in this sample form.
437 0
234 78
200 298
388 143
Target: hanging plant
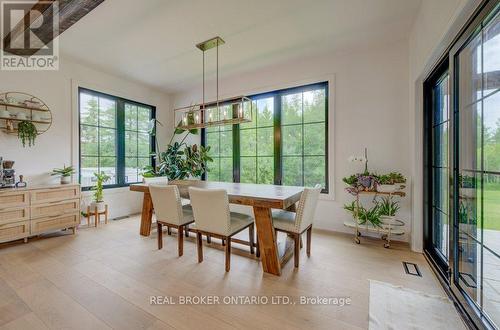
26 131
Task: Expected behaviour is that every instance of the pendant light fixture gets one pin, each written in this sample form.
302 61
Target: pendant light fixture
221 112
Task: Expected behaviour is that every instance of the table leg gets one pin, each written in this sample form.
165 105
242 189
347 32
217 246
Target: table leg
267 241
147 215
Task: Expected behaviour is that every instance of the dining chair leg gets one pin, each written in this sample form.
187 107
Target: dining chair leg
223 242
186 229
180 239
309 236
251 234
228 254
209 239
169 232
160 235
301 241
199 243
257 253
296 253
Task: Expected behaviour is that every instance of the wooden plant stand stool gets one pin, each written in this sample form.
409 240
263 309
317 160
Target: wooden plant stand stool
97 215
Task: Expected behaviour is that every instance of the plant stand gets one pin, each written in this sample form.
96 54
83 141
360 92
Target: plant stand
96 214
387 227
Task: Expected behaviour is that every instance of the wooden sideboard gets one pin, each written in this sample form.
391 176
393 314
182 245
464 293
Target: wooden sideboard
31 211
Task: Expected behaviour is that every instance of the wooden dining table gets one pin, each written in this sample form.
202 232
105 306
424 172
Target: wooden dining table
262 198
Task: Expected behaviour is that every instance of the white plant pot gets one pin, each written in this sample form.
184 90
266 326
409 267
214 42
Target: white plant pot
4 113
101 206
65 179
21 116
387 188
156 179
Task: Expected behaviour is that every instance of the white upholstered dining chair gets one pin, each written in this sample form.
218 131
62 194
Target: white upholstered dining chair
169 212
296 223
213 218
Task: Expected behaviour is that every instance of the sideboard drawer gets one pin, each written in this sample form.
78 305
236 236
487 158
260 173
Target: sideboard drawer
54 194
55 208
14 231
14 214
54 222
10 199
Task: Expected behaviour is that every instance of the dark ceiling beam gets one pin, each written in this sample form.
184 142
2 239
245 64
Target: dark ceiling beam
70 12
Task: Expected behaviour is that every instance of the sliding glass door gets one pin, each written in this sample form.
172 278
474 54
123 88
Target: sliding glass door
476 234
437 169
462 167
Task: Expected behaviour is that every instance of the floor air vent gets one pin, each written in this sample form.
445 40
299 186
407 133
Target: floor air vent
411 269
121 218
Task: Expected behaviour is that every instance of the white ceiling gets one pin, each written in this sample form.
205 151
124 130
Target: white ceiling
152 41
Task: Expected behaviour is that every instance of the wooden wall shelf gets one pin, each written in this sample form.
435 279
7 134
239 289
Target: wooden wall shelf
33 121
14 100
20 106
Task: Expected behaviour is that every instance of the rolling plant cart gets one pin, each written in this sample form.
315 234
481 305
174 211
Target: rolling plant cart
388 227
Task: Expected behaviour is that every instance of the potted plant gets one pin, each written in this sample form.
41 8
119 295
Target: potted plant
65 173
180 161
385 184
363 215
391 182
26 131
98 201
388 209
360 182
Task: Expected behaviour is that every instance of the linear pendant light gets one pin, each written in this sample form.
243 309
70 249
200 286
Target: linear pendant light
221 112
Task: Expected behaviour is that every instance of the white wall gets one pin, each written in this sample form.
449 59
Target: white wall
435 26
368 108
59 145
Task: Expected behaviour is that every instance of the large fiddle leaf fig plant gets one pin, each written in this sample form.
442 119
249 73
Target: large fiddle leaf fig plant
180 160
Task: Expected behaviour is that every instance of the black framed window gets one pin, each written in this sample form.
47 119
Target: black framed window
220 138
257 143
114 138
285 143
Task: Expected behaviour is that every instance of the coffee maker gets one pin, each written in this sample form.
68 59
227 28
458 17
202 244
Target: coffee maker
7 174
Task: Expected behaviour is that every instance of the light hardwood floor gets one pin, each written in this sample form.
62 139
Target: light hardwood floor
103 278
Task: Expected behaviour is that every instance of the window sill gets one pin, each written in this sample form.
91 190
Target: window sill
108 191
327 197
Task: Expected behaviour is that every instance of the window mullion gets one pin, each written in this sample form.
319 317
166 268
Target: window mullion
120 142
303 162
278 173
236 153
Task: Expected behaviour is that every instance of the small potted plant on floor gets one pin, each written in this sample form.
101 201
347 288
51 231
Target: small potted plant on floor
65 173
98 201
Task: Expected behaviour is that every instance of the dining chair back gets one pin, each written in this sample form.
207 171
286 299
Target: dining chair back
211 210
306 208
167 203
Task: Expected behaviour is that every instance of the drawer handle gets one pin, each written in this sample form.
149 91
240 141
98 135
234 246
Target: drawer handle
56 215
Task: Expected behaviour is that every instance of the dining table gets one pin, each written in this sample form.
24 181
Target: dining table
261 197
